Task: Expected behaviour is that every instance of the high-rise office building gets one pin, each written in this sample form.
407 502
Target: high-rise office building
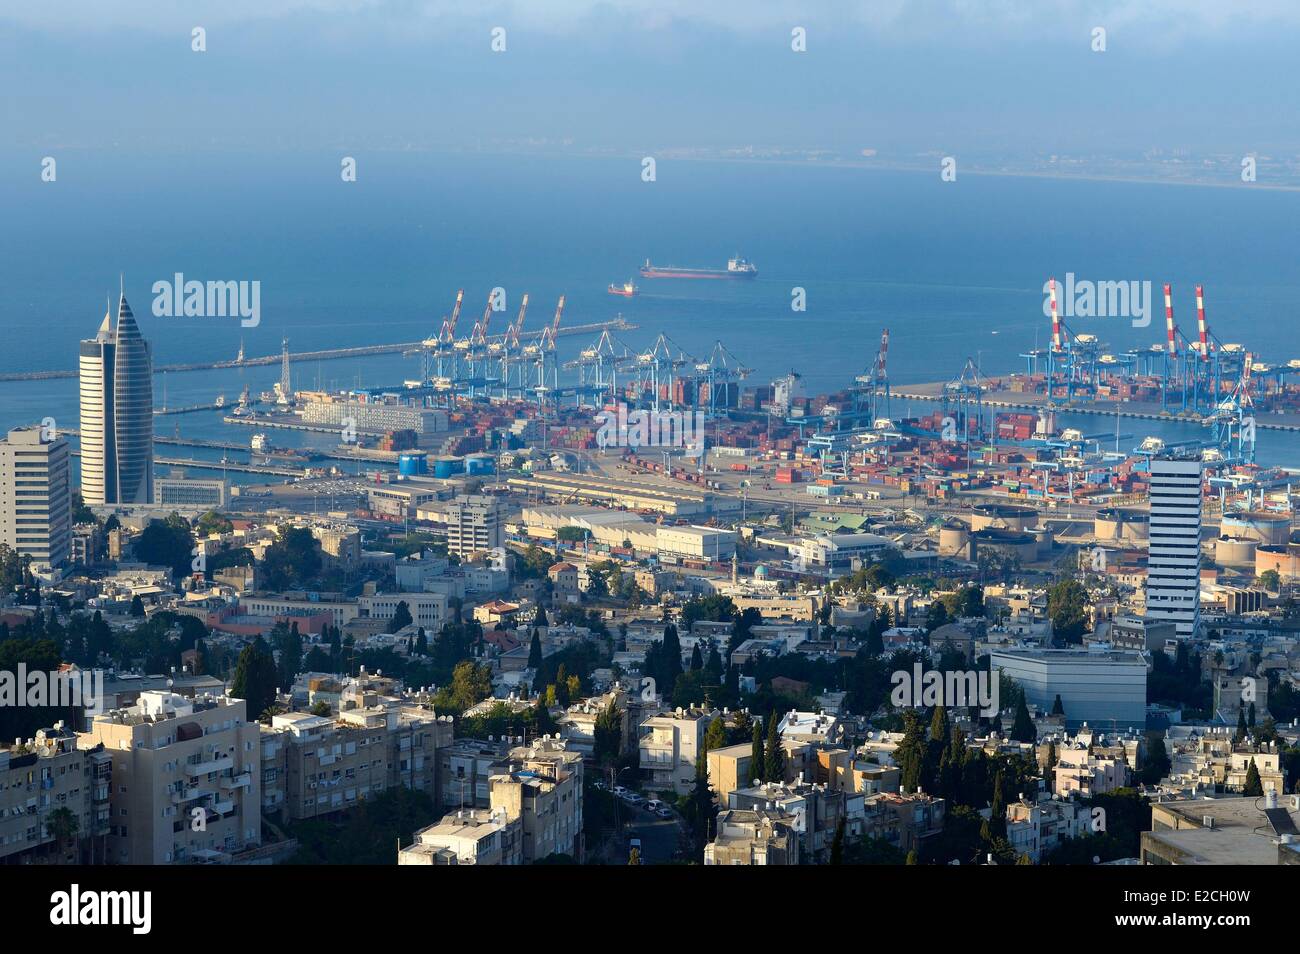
473 524
35 496
116 372
1173 557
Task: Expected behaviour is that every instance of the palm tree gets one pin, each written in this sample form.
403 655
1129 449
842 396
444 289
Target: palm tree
63 825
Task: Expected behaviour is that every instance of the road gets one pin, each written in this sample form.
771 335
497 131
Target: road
660 837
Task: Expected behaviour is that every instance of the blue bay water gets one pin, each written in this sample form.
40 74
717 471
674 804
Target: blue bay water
954 270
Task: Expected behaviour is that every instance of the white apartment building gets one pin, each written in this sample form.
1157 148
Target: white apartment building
186 778
670 743
46 773
35 496
541 786
468 838
1173 558
1035 828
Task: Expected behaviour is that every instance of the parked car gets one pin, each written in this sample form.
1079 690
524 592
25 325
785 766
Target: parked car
654 804
664 812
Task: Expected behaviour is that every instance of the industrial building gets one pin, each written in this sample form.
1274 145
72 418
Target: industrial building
672 501
1100 688
373 416
190 493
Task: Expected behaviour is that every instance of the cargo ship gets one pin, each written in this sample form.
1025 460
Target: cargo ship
736 268
626 289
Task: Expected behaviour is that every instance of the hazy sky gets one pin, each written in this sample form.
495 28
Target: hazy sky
993 78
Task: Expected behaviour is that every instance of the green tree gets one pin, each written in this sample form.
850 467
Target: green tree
214 522
1022 730
293 559
1253 786
401 617
1067 607
715 737
63 825
910 756
255 678
137 606
757 766
671 658
608 735
167 543
535 652
701 807
470 685
773 755
287 642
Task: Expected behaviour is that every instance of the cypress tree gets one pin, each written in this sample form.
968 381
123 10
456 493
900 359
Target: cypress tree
535 651
757 769
998 808
255 678
713 665
697 661
701 806
910 754
939 725
837 846
774 757
672 658
1253 784
1022 730
715 737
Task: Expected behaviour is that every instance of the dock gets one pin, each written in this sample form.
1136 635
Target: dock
1003 401
328 354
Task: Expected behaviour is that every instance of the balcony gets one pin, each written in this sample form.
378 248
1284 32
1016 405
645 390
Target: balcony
186 794
218 764
242 780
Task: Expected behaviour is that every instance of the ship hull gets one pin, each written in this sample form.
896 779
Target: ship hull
697 273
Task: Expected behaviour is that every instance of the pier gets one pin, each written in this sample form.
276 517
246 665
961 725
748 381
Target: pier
934 392
328 354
